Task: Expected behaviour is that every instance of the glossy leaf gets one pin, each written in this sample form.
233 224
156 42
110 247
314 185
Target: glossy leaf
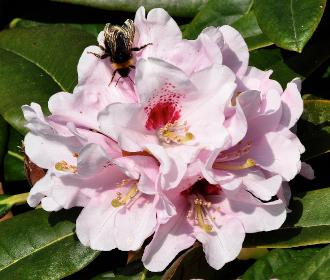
283 264
248 26
92 28
182 8
288 65
237 13
36 63
289 23
39 245
307 224
314 127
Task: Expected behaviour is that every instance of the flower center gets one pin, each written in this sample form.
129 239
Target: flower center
200 214
120 200
175 133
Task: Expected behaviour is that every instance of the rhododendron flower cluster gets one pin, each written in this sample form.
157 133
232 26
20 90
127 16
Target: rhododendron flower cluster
194 145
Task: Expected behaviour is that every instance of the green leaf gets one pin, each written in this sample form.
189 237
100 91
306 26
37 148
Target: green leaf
317 267
35 63
39 245
248 26
287 65
182 8
7 202
92 28
13 161
307 224
289 23
314 127
237 13
3 139
282 264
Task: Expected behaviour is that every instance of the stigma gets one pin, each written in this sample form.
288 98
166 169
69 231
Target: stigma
175 132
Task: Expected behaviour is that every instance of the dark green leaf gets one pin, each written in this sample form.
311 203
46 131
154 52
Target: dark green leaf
36 63
217 13
182 8
317 267
13 161
38 245
281 264
3 139
314 127
237 13
307 224
248 26
288 65
132 271
92 28
289 23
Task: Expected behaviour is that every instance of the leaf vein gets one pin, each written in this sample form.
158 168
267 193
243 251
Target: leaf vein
34 251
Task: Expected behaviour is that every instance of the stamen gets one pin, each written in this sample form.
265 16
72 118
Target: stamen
175 132
64 166
248 163
119 201
199 203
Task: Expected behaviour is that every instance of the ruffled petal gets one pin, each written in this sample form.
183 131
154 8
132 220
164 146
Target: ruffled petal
223 244
292 103
254 215
92 159
134 224
95 224
261 187
169 240
235 51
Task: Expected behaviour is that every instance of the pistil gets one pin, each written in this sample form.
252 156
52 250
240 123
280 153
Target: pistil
199 204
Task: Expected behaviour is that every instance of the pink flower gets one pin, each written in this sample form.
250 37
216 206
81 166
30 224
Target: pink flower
125 212
214 217
176 116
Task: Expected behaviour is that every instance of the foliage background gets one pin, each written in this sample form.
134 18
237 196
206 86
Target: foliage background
40 44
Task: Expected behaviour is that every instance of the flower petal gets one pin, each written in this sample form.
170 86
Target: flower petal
235 51
134 224
95 224
223 244
169 240
292 103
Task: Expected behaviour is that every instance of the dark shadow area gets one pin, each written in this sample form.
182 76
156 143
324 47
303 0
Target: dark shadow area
64 215
53 12
105 262
194 266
